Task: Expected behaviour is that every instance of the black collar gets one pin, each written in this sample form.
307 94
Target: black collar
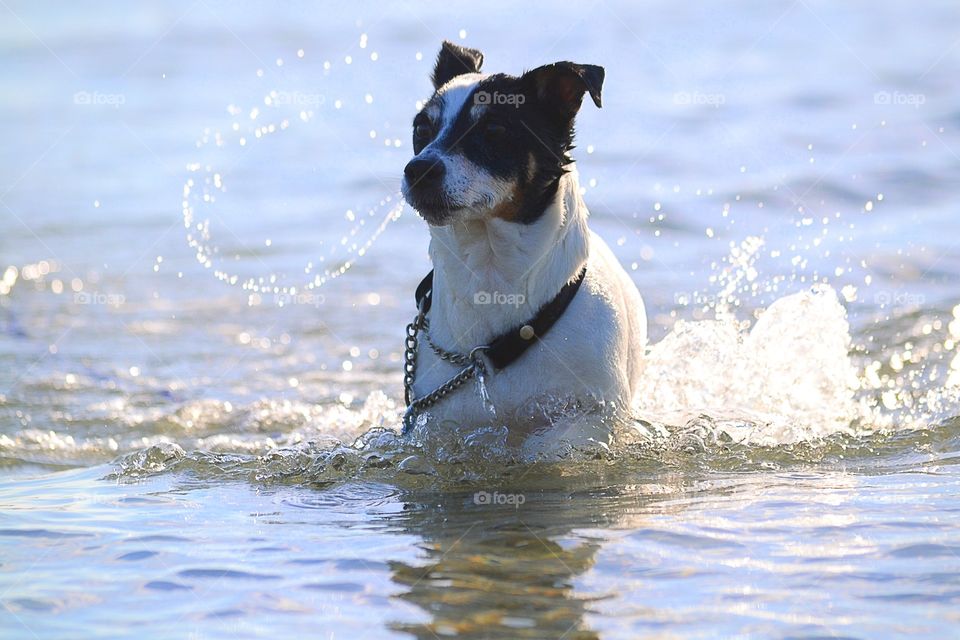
507 348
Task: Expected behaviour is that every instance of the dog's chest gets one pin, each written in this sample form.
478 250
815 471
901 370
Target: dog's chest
491 397
563 365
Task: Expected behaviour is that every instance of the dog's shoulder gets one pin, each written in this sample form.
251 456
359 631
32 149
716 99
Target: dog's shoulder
607 282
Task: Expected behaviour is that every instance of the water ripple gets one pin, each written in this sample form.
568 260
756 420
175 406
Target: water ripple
225 573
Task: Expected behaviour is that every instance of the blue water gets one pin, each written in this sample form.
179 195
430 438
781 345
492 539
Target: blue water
177 453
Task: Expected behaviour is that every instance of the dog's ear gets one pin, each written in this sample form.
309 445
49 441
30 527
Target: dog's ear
454 60
559 87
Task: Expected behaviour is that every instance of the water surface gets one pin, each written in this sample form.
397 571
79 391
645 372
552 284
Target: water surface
180 406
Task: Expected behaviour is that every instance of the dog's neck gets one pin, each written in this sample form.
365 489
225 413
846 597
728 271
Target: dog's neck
493 275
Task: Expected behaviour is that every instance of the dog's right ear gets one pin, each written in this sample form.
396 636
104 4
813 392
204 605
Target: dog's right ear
559 87
454 60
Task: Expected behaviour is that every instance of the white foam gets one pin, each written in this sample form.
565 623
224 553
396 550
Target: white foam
790 378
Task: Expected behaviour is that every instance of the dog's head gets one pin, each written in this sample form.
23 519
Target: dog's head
494 146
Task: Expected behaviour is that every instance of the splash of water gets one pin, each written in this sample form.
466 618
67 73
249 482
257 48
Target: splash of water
787 379
484 393
283 111
795 374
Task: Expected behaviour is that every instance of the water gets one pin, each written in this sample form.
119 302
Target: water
185 456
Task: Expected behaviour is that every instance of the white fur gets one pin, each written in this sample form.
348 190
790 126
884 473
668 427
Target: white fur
593 355
454 94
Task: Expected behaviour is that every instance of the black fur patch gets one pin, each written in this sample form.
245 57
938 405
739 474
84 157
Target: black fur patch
454 60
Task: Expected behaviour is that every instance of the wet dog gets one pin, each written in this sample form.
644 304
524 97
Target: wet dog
522 291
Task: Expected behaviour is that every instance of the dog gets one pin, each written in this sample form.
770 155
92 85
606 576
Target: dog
523 296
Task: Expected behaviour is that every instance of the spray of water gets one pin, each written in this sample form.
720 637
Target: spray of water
283 113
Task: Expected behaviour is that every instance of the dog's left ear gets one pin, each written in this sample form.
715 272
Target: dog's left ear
560 86
454 60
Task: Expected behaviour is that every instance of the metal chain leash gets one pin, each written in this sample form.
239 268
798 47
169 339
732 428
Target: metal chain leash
472 364
450 356
410 352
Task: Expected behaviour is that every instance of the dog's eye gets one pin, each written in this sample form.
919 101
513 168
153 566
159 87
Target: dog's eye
422 132
494 130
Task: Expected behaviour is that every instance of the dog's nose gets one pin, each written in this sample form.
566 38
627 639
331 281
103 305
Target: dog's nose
422 171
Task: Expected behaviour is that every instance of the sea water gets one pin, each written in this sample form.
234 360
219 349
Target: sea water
205 274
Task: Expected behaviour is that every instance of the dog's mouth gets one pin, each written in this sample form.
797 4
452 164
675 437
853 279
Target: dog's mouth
435 209
437 216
